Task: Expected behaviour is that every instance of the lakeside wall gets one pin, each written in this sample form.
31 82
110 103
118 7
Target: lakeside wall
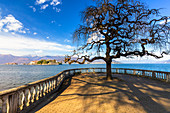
24 98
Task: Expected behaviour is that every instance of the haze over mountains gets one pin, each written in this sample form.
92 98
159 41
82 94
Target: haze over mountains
26 59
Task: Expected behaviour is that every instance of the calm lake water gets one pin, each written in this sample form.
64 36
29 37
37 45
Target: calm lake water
15 75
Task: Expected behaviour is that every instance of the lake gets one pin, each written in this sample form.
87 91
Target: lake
15 75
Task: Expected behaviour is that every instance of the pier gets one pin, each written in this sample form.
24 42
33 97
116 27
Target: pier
86 90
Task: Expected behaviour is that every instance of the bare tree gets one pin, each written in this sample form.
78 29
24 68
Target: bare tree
122 28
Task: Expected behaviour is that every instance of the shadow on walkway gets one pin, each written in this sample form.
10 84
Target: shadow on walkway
63 87
141 95
91 93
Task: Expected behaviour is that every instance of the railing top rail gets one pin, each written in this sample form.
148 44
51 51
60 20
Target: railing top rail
120 68
13 90
22 87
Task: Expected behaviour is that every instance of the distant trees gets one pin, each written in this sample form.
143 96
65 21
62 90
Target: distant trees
40 62
45 62
120 28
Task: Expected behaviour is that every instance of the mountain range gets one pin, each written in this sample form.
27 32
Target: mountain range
26 59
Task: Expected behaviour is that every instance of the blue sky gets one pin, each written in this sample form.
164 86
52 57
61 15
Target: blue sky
44 27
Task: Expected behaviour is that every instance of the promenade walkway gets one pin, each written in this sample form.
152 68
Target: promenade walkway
91 93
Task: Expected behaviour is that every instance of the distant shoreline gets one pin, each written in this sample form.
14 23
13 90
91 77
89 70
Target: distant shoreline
79 64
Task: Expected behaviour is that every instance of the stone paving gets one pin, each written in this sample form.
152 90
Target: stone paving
91 93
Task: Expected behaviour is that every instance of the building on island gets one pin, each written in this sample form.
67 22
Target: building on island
12 63
33 62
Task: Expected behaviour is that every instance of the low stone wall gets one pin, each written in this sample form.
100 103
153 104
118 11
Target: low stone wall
24 98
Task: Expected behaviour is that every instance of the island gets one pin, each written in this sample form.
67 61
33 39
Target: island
45 62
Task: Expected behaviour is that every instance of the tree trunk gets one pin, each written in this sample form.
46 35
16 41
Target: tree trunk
108 72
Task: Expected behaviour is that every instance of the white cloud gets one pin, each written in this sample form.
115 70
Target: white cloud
23 31
33 8
68 46
40 1
13 33
162 22
66 40
5 30
44 6
45 3
39 51
95 37
10 23
56 9
144 59
34 33
55 2
53 21
47 37
20 45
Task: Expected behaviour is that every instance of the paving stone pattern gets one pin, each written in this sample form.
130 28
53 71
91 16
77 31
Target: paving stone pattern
91 93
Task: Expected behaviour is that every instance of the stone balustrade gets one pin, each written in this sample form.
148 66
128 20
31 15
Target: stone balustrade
24 98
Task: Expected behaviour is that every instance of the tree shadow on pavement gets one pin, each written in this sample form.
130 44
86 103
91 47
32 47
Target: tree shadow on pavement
91 93
66 83
121 95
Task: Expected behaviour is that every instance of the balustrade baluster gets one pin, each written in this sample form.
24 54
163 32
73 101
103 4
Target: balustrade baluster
37 92
125 71
143 73
153 75
159 76
45 87
33 93
21 100
167 77
134 72
62 77
57 80
41 90
5 104
0 104
27 96
86 70
50 86
67 74
116 71
47 84
164 76
54 84
13 102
